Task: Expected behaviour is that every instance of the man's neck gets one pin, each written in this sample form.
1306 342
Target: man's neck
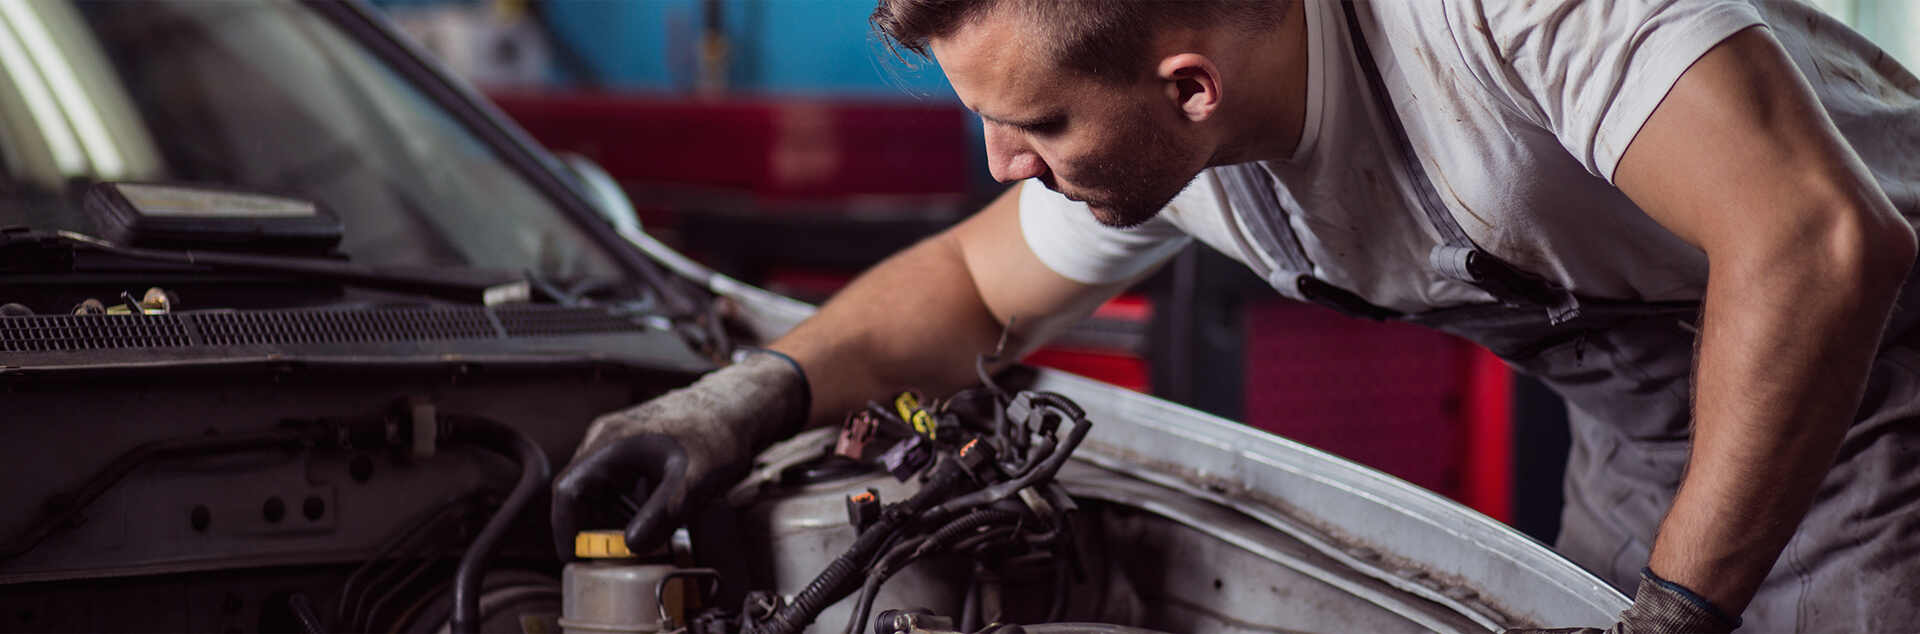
1271 111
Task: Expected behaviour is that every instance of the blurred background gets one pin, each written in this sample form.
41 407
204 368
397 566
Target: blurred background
782 143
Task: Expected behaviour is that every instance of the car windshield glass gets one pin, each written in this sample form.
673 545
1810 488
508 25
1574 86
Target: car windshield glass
266 96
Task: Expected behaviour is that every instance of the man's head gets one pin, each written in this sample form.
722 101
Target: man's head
1113 102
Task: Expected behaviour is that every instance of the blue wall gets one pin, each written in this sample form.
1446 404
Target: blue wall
776 47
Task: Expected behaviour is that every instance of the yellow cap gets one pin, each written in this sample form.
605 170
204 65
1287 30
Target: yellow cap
601 545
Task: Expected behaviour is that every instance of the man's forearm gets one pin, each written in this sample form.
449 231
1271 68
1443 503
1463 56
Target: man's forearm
919 319
1786 341
915 320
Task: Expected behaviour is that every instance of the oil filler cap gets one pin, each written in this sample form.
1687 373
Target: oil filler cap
601 545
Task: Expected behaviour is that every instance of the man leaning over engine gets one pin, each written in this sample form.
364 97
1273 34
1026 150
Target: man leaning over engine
1691 218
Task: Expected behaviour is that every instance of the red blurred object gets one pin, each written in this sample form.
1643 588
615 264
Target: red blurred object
774 148
1418 404
1133 307
1092 351
1486 425
1125 370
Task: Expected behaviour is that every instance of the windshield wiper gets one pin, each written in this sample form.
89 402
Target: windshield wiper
23 250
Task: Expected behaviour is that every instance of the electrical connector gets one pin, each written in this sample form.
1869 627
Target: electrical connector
863 509
856 434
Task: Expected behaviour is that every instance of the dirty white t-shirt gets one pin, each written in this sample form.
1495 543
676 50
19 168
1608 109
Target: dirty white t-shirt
1519 112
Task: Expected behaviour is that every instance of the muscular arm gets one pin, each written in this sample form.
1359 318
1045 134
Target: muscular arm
1805 256
917 319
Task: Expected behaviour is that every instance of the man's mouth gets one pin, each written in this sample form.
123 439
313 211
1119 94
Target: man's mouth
1055 186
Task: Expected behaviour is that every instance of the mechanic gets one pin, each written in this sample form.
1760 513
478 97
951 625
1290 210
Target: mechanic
1691 218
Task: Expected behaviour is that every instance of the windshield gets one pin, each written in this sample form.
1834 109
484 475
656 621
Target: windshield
259 95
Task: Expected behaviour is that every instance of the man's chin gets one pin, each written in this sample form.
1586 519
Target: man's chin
1122 217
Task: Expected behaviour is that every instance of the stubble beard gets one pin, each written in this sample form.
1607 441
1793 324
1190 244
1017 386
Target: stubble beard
1130 185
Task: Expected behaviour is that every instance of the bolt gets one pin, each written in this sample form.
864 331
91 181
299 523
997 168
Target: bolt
201 518
274 509
314 508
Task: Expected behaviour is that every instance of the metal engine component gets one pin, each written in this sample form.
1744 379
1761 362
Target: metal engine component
793 531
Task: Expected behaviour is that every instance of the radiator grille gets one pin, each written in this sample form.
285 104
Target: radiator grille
90 332
541 321
230 329
96 332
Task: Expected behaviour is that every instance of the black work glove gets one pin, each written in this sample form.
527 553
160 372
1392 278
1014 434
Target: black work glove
1661 607
675 452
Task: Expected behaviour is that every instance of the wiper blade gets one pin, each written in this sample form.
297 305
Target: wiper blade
24 250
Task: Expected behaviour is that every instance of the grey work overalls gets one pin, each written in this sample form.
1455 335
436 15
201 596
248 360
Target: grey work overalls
1624 369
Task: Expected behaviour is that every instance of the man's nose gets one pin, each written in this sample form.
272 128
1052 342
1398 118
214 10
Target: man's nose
1009 158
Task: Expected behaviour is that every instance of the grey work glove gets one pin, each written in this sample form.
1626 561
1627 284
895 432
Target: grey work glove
669 455
1661 607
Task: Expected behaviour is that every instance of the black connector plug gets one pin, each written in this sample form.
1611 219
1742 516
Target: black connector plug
863 509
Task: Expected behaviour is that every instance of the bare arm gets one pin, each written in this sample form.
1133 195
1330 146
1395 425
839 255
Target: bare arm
1805 257
917 319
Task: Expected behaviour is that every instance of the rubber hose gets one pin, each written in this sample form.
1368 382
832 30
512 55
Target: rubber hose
1065 404
534 474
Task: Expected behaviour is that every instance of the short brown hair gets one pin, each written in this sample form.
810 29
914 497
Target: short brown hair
1107 39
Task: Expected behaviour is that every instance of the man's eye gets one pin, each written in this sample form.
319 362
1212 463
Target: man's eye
1048 126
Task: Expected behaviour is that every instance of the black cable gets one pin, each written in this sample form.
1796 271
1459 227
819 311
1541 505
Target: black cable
970 606
446 528
303 612
348 613
976 541
1062 403
1042 473
876 575
948 478
898 557
980 362
969 523
534 474
1062 575
444 547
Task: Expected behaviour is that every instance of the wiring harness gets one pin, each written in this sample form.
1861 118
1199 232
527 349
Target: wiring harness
986 459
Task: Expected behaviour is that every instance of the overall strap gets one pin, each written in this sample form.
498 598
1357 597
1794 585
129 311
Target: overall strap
1457 257
1257 206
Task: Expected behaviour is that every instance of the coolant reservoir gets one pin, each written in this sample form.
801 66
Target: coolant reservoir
610 591
792 531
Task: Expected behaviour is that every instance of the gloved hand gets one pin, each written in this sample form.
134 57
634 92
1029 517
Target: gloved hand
673 453
1661 607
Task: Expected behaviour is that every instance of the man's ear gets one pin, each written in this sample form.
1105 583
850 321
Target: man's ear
1193 82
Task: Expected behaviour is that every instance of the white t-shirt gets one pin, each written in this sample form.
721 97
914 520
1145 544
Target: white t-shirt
1519 112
